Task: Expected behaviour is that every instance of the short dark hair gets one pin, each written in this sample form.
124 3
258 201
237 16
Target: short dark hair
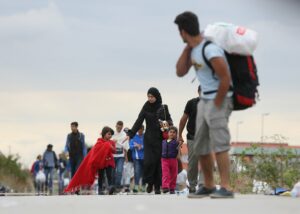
188 22
74 124
142 127
173 128
105 130
120 123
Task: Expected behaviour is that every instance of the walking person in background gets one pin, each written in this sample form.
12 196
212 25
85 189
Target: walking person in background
75 147
215 107
62 164
189 119
50 164
152 138
36 166
170 151
122 146
137 150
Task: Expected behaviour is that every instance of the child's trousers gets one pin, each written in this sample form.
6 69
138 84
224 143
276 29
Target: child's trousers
169 173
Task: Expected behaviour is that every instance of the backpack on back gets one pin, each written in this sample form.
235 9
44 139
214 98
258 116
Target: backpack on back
244 78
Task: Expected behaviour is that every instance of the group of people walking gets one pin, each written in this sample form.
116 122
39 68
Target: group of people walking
155 151
44 168
154 158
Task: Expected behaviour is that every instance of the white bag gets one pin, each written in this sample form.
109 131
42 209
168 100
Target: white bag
232 38
296 190
40 177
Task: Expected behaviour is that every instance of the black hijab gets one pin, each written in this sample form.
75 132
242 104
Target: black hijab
153 107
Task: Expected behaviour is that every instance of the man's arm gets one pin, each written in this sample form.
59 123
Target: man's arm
184 62
221 70
84 149
67 145
131 144
182 124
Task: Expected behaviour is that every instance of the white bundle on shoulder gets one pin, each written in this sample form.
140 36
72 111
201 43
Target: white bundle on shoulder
232 38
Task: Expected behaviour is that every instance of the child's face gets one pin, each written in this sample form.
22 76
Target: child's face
107 136
172 134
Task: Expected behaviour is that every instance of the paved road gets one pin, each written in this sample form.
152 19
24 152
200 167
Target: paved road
163 204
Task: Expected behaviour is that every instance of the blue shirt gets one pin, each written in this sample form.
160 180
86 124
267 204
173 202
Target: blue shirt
137 154
204 73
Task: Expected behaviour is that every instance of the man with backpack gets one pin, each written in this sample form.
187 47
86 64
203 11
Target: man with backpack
50 163
216 104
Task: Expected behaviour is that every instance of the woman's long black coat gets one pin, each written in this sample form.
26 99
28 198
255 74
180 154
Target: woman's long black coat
152 140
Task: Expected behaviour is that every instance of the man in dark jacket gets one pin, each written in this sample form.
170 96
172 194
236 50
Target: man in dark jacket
76 148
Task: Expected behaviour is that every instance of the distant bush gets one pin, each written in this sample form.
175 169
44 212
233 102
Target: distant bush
12 175
279 168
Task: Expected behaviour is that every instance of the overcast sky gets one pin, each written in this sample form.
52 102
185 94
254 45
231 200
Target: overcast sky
93 62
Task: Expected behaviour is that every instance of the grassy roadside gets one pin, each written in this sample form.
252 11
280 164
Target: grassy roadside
13 176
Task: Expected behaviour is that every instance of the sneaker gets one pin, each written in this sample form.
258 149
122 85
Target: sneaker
202 192
101 193
143 188
111 191
135 189
172 191
149 188
157 192
165 190
222 193
192 189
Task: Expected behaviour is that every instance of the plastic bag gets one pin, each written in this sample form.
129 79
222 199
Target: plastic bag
40 177
232 38
296 190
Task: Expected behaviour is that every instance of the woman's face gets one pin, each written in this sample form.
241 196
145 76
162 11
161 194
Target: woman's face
151 98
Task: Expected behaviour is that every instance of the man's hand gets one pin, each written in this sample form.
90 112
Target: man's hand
218 103
138 146
180 140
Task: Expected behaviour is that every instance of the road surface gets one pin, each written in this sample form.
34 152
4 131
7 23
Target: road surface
161 204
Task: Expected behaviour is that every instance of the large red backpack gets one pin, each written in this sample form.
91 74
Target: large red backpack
244 78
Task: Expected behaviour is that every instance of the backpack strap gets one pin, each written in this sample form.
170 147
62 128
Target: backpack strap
207 62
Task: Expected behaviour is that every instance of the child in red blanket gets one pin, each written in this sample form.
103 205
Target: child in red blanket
99 160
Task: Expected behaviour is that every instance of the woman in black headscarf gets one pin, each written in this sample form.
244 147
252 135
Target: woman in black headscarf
152 112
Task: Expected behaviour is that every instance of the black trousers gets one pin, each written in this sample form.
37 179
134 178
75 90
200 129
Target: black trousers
75 163
109 175
152 173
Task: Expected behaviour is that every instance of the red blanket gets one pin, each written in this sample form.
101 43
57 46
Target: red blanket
100 156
